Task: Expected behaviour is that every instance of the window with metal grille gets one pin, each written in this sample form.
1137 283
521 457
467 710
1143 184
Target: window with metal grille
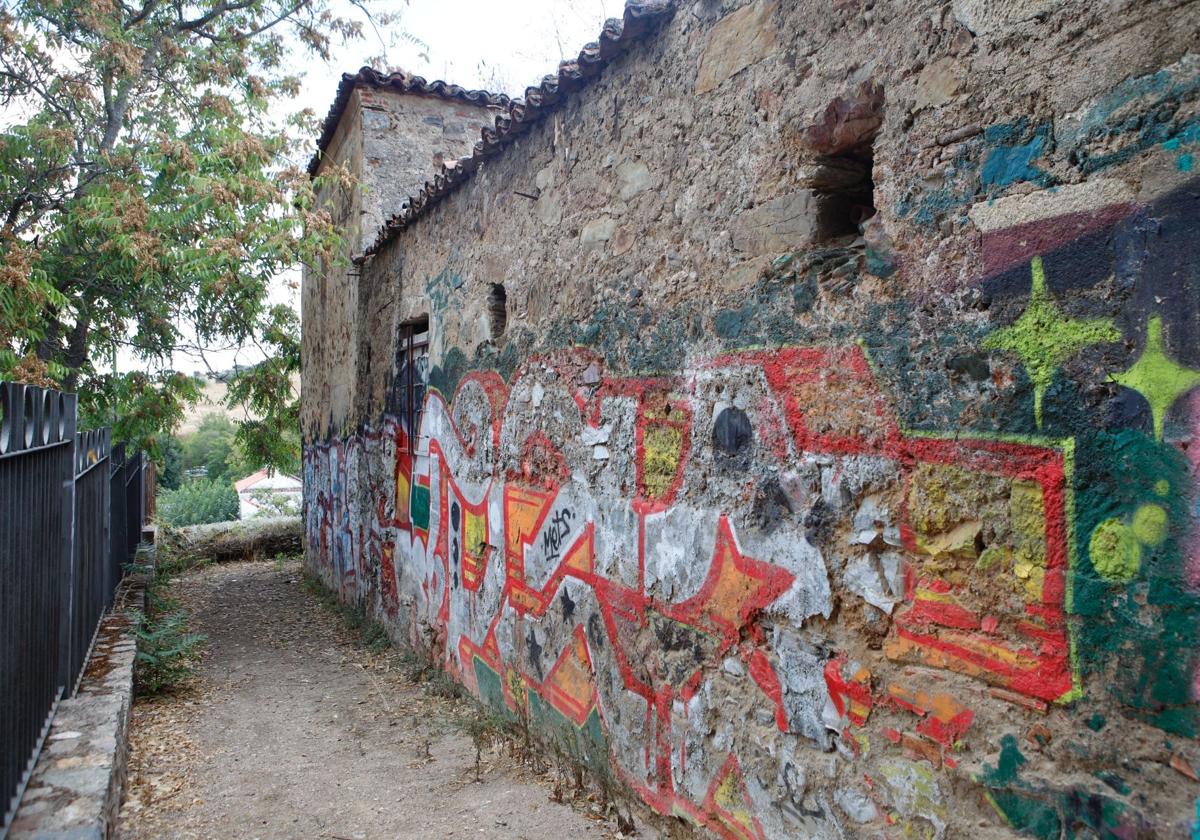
413 377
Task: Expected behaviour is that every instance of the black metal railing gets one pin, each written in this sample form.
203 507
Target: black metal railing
71 513
91 555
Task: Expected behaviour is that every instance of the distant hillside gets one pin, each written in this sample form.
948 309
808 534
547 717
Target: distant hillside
213 402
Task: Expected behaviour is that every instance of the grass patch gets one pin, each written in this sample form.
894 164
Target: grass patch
374 637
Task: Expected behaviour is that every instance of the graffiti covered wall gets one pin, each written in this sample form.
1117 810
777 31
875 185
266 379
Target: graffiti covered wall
789 530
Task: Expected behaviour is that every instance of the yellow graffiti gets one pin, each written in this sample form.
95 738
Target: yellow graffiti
1158 377
662 452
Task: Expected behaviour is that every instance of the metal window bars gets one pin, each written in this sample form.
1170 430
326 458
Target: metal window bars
414 377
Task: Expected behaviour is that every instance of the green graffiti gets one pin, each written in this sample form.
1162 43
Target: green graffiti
586 744
1024 813
1043 337
1189 136
1158 377
1009 765
1038 810
418 509
441 286
1139 620
1150 524
1010 163
1154 98
491 690
1027 814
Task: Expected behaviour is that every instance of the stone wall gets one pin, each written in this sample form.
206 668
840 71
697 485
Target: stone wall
404 139
832 472
77 784
328 294
387 144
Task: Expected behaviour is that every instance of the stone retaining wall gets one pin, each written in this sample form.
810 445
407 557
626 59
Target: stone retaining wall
76 788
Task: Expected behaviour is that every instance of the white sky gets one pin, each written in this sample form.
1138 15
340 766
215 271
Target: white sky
499 45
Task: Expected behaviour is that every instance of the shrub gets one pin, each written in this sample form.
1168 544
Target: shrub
211 446
199 502
166 652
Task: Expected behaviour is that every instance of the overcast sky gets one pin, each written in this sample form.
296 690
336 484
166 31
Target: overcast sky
499 45
489 43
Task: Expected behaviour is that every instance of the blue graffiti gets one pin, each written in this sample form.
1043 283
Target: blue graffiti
1009 160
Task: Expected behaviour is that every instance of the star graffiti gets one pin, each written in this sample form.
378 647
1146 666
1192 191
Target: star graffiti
1044 337
1157 377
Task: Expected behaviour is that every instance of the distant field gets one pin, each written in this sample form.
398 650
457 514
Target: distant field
213 403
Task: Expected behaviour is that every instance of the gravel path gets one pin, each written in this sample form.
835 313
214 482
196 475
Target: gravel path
292 730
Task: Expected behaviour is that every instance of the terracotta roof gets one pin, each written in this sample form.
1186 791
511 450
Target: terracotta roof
641 17
249 481
254 478
400 82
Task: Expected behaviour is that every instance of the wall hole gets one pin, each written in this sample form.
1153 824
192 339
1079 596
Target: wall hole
497 310
846 185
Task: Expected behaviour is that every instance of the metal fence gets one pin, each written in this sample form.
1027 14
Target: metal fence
71 512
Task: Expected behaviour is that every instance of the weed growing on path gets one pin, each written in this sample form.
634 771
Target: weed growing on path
167 652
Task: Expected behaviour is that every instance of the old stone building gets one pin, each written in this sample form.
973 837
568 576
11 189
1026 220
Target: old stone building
789 410
384 135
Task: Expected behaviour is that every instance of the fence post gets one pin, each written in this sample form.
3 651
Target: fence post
111 569
150 489
117 514
67 405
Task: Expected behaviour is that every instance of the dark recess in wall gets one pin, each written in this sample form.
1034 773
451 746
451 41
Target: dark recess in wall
847 189
497 308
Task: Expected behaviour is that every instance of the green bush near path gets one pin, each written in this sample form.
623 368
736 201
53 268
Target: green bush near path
199 502
167 651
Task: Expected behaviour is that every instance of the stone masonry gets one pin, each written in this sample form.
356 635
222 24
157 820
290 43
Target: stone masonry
387 133
789 411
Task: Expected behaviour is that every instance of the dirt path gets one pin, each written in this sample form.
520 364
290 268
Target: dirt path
294 731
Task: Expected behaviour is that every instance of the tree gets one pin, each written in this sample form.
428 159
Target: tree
275 503
145 204
168 455
213 447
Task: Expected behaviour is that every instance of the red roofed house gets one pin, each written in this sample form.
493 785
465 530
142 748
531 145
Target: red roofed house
268 493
